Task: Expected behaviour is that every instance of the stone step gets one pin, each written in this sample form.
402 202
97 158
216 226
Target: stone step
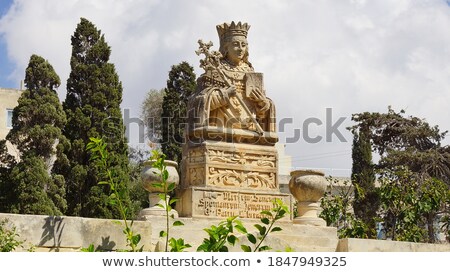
298 237
306 230
309 241
315 249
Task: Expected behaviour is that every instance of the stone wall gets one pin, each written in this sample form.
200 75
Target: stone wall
48 233
54 233
366 245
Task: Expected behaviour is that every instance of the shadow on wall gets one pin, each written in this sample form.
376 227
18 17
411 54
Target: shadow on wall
53 229
53 236
106 245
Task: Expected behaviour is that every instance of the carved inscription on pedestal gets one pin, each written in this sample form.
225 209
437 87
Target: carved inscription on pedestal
227 203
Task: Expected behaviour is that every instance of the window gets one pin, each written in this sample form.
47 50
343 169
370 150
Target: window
9 114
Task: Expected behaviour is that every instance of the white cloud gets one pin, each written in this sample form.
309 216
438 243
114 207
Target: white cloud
351 56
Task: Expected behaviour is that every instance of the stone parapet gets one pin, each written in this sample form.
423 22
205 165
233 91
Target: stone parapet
62 234
370 245
69 233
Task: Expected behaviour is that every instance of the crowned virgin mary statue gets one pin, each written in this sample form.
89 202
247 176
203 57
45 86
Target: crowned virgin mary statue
230 102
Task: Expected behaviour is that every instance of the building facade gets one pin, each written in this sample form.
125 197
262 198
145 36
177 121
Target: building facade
8 101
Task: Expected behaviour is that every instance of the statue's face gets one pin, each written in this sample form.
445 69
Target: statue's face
236 49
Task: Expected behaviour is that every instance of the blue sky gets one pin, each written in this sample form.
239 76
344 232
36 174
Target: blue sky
4 6
5 64
348 55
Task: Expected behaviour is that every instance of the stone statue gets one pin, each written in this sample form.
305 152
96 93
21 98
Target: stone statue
230 163
230 100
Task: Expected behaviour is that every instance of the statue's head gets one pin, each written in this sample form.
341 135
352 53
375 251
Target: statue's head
233 41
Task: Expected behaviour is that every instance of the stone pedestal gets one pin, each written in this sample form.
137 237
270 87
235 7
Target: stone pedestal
155 210
150 176
222 179
308 186
230 165
307 214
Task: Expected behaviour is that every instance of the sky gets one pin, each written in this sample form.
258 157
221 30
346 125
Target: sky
319 57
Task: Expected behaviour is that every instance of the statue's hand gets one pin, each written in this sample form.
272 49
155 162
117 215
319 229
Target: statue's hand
257 96
230 90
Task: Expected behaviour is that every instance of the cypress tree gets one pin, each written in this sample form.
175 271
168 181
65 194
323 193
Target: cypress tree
363 180
7 162
37 123
92 106
151 112
180 85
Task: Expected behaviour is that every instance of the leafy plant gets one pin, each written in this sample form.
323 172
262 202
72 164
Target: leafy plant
9 238
337 207
222 235
410 206
176 245
99 154
278 211
90 248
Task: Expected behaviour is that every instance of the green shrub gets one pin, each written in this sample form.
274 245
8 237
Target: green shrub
9 238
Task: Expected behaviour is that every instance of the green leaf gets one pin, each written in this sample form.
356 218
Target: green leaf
178 223
262 230
246 248
136 239
171 187
162 196
232 239
265 221
268 213
165 175
162 234
90 248
264 248
203 247
251 238
223 249
276 229
241 229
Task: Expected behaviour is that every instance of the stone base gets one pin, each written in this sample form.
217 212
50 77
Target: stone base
308 212
312 221
149 213
222 203
236 166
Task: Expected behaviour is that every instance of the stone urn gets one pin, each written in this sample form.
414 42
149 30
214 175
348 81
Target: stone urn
308 186
150 176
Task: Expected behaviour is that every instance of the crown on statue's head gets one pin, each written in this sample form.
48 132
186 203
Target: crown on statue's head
226 30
